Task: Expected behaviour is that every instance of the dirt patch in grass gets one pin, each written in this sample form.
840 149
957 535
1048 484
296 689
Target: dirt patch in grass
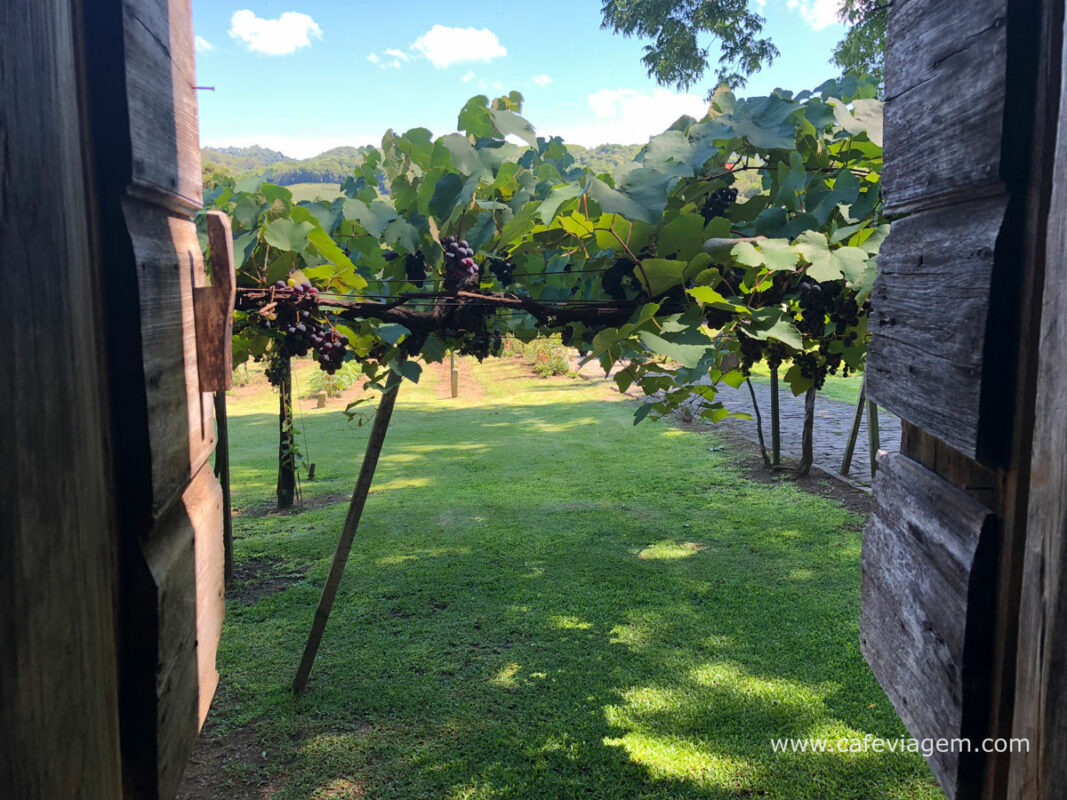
308 504
469 387
257 578
229 767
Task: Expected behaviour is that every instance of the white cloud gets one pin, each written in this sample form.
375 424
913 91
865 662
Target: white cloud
274 37
444 46
294 146
818 14
542 79
389 59
203 45
629 116
470 76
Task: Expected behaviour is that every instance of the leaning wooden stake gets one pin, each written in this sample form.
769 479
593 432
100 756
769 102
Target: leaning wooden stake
759 425
776 426
807 453
854 432
873 435
348 534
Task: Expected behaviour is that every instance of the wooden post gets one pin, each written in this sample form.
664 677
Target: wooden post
776 428
807 453
455 376
222 472
873 437
854 432
286 441
759 425
348 534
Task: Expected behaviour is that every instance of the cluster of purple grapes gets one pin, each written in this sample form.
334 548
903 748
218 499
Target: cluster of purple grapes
460 270
816 300
503 269
293 316
751 352
718 202
415 268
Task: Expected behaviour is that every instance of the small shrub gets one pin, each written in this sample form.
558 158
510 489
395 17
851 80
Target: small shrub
547 357
512 347
334 385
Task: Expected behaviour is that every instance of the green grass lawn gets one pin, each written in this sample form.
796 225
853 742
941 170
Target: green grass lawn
545 601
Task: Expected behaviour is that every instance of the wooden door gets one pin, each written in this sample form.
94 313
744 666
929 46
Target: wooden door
955 587
112 553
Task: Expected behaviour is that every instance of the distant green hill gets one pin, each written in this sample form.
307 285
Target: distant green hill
604 158
236 160
333 166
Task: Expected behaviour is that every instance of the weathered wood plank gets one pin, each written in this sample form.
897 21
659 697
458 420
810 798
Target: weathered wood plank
160 77
213 309
945 82
981 483
928 562
180 416
926 360
59 724
1040 709
203 505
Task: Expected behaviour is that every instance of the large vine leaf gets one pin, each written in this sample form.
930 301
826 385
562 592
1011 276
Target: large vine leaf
284 234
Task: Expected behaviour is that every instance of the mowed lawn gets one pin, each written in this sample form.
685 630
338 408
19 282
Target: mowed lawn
545 601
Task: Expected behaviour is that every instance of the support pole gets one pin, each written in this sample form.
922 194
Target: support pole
776 428
222 472
348 534
873 435
455 376
854 431
759 425
807 453
286 441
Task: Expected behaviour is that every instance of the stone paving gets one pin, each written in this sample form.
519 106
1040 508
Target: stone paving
833 419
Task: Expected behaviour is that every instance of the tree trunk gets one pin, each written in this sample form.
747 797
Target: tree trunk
286 439
759 425
807 453
776 424
222 472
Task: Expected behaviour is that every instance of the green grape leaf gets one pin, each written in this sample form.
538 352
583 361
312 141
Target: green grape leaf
682 237
284 234
511 124
661 274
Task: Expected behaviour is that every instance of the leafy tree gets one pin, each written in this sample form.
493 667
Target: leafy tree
862 51
675 57
664 267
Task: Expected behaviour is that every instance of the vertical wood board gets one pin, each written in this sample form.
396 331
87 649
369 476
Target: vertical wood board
928 563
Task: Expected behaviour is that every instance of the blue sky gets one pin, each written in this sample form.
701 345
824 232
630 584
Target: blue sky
302 76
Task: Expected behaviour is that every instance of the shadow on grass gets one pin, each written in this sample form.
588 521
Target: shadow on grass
545 601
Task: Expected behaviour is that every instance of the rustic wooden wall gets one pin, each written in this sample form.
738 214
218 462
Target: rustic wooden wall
111 554
1040 712
972 113
149 185
58 672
